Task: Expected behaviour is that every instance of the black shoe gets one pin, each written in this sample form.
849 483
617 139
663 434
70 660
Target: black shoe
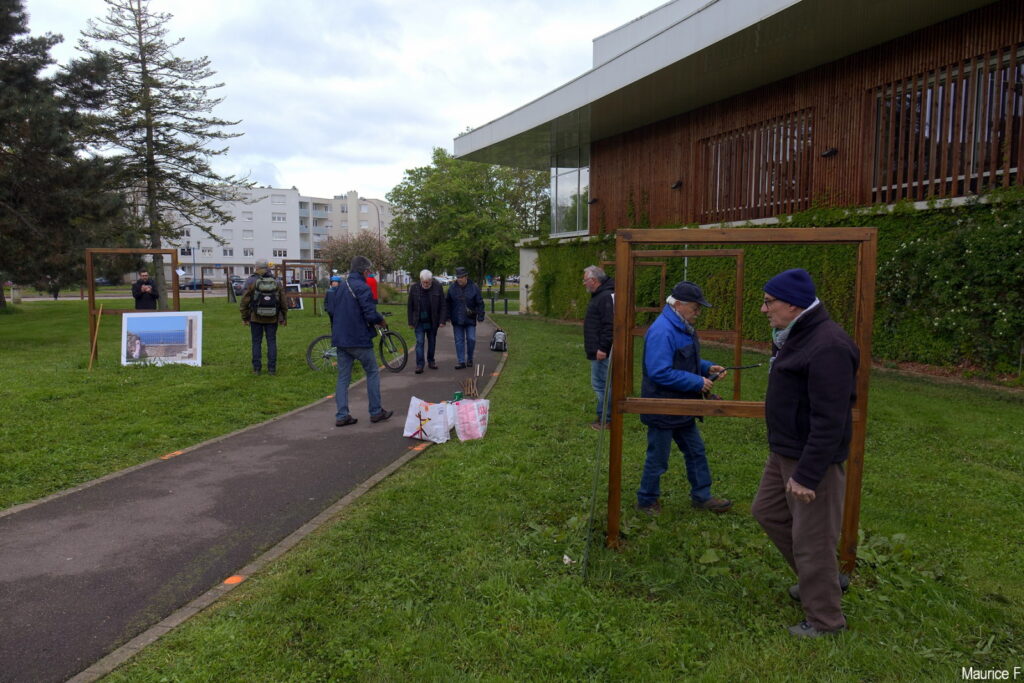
469 363
653 509
844 585
713 504
346 421
419 369
381 416
432 366
460 366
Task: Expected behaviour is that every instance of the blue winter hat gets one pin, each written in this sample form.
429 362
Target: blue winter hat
335 278
793 286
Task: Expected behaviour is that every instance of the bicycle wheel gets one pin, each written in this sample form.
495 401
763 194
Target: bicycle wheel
394 353
321 354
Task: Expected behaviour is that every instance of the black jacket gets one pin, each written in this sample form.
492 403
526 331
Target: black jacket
145 301
811 391
465 304
437 307
597 323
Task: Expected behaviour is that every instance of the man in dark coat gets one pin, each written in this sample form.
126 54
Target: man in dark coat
465 309
260 319
427 308
353 320
673 368
145 292
597 334
808 411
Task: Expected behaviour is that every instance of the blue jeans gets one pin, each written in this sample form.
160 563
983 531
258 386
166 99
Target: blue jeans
465 342
598 380
430 336
347 355
659 442
258 330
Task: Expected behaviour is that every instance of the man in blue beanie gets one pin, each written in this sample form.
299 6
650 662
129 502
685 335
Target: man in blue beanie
808 411
673 369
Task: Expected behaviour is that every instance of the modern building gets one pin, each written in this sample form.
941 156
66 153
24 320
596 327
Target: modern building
277 224
717 111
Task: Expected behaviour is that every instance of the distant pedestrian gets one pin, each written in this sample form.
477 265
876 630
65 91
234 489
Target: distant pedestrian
331 291
354 318
145 292
597 334
465 310
812 386
371 280
673 368
263 308
427 310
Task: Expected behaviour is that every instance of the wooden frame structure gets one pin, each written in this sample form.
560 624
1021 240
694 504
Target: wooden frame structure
866 241
91 281
294 264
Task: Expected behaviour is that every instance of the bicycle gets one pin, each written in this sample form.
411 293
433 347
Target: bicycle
391 348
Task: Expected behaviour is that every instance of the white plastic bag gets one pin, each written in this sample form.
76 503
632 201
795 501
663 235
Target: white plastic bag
429 421
471 418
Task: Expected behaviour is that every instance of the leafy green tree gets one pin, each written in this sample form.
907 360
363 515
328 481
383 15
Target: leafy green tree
340 252
158 119
463 213
54 198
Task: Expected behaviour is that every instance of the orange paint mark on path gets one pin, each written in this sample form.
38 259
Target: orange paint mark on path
234 580
170 455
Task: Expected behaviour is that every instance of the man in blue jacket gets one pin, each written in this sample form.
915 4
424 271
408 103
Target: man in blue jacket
673 369
465 309
812 386
353 317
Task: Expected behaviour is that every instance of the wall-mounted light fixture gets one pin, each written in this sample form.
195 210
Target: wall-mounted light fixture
592 201
830 152
677 184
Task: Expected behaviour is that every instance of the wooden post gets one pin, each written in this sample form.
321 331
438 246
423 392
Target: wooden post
95 335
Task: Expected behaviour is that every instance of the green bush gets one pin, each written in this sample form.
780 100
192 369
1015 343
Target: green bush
950 279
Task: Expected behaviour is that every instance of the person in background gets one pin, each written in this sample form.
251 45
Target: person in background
427 310
597 334
263 308
331 291
812 387
353 320
465 309
145 292
673 368
372 282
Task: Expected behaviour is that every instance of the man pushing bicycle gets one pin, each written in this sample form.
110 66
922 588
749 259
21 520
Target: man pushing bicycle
354 318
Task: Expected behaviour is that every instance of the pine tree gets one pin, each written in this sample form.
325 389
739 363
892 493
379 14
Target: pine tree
54 199
158 119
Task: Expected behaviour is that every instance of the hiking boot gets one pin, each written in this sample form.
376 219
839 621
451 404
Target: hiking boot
652 509
432 365
598 426
419 369
844 585
345 421
805 630
712 504
381 416
460 366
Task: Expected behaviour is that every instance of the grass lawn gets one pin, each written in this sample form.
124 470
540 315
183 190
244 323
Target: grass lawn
453 568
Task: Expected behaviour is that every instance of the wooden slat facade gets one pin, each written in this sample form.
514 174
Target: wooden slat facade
937 113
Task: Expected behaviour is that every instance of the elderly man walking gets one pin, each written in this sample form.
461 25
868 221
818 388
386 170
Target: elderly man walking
808 410
597 334
427 309
673 368
465 310
353 320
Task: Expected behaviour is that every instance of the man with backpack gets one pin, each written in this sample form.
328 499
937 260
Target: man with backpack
263 308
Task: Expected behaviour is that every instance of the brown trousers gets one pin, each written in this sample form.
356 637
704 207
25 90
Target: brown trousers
806 534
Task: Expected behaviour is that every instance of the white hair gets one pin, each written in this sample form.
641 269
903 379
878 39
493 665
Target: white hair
426 275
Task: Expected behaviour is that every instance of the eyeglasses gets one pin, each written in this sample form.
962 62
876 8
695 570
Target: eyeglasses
769 302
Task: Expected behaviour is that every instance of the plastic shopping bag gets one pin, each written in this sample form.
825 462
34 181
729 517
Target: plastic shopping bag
429 421
471 418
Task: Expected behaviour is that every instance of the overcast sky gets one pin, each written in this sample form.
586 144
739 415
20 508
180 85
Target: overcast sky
339 95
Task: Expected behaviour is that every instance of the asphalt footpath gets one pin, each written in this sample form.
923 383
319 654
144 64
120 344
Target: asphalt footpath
91 575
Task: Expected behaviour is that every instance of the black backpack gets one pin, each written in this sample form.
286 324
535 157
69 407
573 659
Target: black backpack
265 301
499 341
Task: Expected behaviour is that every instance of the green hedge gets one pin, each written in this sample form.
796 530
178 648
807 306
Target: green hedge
950 282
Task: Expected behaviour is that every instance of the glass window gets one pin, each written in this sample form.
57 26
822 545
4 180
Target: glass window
364 208
248 251
281 253
247 215
248 270
278 218
228 251
277 199
207 251
247 234
344 224
363 225
280 235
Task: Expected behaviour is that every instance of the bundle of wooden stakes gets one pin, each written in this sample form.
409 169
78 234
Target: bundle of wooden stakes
468 386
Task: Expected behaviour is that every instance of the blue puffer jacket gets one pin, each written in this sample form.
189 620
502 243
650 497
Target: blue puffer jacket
353 313
465 304
672 367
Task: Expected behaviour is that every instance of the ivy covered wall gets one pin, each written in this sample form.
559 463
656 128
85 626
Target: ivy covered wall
950 281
